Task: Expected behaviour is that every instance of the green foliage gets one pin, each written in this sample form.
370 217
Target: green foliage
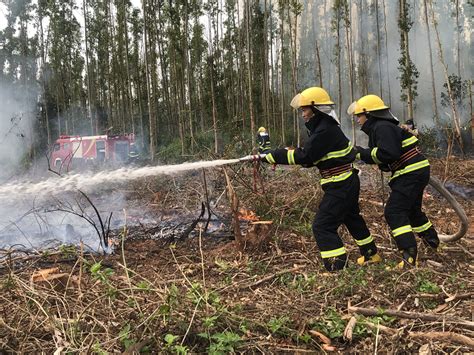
124 336
103 275
172 346
279 325
459 90
68 251
224 343
426 286
330 324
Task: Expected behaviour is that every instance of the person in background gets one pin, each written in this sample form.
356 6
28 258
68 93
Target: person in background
263 140
331 151
395 149
410 127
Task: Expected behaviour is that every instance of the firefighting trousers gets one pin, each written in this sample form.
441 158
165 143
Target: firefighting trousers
340 205
403 210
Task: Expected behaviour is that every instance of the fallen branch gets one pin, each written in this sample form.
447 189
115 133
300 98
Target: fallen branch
371 312
448 337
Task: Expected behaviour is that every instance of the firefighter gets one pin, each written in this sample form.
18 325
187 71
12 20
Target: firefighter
329 149
396 149
263 140
409 125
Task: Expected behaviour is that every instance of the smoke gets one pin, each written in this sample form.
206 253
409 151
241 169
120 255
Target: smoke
16 127
316 27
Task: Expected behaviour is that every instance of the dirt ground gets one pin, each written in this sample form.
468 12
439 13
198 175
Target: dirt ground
179 292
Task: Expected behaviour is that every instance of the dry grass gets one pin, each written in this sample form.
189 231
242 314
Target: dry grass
202 295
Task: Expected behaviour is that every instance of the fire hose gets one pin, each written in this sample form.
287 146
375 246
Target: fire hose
437 185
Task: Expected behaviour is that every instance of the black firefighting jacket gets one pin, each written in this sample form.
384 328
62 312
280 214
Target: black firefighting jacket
391 147
326 147
263 140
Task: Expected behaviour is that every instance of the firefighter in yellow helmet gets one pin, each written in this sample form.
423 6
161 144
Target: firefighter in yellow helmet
263 140
395 149
329 149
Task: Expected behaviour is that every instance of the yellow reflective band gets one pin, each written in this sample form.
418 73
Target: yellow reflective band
409 141
291 156
402 230
358 156
373 154
333 253
422 228
270 158
337 178
365 241
336 154
410 168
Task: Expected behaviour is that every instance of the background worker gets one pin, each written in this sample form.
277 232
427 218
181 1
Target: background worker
329 149
395 149
263 140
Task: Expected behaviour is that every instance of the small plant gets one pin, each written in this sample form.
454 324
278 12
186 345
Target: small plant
103 275
278 325
427 286
170 345
124 337
68 251
331 324
224 343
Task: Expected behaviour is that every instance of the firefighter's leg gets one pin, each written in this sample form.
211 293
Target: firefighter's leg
326 222
397 210
357 226
420 224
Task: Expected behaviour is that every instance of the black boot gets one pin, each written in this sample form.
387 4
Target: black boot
335 264
430 238
409 257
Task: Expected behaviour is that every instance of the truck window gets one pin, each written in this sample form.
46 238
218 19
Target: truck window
56 147
66 146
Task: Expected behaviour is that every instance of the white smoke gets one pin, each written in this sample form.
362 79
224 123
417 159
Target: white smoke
16 127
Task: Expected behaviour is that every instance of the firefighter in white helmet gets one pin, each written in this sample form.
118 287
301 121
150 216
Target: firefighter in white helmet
331 151
263 140
395 149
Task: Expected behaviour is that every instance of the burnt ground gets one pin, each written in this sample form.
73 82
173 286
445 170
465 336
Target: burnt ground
165 290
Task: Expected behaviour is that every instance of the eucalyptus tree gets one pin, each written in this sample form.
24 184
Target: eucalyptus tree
408 71
66 65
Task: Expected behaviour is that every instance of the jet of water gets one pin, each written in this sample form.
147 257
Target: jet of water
89 181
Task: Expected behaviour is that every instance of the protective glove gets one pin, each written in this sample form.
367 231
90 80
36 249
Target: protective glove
358 149
384 167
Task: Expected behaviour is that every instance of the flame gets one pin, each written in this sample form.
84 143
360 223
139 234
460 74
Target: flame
247 215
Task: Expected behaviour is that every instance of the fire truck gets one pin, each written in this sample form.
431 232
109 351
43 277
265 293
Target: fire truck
72 152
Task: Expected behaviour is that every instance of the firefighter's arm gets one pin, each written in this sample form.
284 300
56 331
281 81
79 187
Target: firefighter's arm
387 148
313 150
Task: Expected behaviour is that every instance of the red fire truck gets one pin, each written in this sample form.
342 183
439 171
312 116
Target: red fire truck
70 152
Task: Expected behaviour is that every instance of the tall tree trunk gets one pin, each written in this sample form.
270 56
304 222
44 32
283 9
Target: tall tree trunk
347 25
151 119
406 45
433 82
43 74
458 39
379 54
282 83
455 116
387 54
129 76
249 74
213 98
88 71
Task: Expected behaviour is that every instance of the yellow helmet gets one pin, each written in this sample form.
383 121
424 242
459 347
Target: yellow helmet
367 103
262 129
310 97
